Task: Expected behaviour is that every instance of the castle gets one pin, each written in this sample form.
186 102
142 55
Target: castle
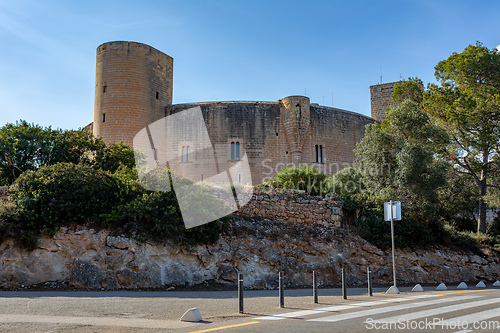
133 89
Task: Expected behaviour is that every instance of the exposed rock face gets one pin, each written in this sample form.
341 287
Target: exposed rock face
86 258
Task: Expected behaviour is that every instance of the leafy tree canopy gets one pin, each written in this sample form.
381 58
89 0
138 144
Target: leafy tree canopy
411 89
467 104
398 161
25 146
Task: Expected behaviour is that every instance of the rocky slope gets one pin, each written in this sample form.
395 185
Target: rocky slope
90 259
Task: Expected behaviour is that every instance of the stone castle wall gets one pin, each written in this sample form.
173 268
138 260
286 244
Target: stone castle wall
275 134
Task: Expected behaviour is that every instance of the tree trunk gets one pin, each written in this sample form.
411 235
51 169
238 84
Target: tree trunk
481 221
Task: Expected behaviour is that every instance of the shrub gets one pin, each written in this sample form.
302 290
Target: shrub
9 219
347 181
495 227
156 216
306 178
64 193
406 234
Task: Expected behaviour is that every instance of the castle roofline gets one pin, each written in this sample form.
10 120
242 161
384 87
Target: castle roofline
312 105
385 84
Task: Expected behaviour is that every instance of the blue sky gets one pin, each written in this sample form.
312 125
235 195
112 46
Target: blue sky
230 50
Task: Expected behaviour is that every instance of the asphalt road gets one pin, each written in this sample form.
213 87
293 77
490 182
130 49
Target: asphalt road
55 311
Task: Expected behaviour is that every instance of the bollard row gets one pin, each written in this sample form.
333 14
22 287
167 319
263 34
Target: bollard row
281 287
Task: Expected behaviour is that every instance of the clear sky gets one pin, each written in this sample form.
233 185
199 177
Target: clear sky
230 50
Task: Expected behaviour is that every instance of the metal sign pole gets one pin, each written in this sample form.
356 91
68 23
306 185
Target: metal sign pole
392 239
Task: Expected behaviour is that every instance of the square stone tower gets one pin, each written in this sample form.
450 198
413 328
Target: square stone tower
381 98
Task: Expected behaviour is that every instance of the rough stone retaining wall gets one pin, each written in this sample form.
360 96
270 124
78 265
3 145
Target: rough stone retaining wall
292 206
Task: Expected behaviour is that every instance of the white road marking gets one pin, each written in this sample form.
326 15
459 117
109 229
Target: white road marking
474 317
334 308
393 308
438 311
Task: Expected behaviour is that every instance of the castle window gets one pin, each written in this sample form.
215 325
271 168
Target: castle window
235 150
185 152
103 117
105 89
240 178
318 154
157 95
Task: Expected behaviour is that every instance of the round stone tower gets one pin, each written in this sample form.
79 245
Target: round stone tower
296 115
133 85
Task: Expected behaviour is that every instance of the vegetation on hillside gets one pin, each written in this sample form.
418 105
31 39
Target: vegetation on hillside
67 178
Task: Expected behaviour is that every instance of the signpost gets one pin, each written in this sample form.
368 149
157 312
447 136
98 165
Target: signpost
392 212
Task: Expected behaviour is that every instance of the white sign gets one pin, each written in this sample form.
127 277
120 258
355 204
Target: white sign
396 211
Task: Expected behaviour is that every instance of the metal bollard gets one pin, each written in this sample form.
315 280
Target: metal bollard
281 288
369 276
344 288
240 293
315 288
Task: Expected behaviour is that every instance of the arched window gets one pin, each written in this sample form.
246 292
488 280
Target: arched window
237 156
316 152
232 150
186 153
320 159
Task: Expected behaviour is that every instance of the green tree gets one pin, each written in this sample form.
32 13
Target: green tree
398 161
411 89
114 156
467 104
348 181
25 146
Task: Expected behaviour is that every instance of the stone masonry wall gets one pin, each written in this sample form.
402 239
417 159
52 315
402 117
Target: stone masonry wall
292 206
274 135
